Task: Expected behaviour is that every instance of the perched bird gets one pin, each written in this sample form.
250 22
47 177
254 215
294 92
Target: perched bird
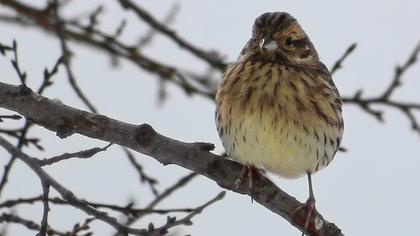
277 106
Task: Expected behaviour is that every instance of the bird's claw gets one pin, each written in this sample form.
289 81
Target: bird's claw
248 172
310 210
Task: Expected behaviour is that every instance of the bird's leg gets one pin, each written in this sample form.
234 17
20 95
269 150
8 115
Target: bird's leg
310 202
309 205
248 172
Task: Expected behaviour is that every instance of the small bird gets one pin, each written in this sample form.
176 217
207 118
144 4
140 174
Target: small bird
277 106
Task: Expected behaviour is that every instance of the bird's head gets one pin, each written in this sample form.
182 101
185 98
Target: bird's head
278 37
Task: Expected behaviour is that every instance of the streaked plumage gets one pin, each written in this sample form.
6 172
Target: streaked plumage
279 109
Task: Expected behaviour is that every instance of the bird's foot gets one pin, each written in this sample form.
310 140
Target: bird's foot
309 209
249 172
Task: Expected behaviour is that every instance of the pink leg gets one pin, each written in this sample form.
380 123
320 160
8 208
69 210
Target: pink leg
309 206
249 172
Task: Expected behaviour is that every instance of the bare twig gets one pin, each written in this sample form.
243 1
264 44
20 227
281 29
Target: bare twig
170 18
93 18
10 218
399 72
407 108
22 140
44 221
338 64
144 178
210 57
16 133
67 54
15 202
49 74
77 228
15 63
9 165
120 29
165 194
126 210
4 49
129 210
84 154
172 222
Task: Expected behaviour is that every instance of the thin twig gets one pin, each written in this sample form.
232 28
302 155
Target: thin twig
127 210
407 108
120 29
338 64
84 154
165 194
168 20
9 165
45 197
210 57
48 75
67 54
399 72
93 18
187 220
77 228
10 218
144 178
4 49
15 63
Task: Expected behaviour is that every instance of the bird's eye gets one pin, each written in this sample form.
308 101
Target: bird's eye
289 41
297 42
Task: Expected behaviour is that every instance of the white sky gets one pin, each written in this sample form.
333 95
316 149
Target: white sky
371 190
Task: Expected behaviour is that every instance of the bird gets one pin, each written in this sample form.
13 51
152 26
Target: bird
277 107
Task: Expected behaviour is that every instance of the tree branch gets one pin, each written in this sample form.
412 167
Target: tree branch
66 194
338 64
44 221
67 57
27 223
144 178
210 58
65 121
81 154
385 99
172 222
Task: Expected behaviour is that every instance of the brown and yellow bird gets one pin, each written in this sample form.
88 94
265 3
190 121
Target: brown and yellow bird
277 106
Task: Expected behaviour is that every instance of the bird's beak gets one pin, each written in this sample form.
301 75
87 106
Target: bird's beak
268 45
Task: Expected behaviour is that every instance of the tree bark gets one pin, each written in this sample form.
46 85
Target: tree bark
66 120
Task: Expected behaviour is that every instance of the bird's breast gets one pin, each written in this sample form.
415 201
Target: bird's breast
283 119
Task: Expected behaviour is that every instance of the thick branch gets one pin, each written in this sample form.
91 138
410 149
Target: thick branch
65 121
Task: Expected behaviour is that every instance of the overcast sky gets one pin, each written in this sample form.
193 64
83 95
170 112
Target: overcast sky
370 190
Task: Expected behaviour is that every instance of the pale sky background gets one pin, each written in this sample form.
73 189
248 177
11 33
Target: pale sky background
370 190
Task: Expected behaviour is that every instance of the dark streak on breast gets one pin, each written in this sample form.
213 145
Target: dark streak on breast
299 104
